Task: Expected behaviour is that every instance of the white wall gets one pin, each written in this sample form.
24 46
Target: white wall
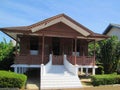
114 31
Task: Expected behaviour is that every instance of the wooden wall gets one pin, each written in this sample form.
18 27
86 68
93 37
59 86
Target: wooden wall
66 46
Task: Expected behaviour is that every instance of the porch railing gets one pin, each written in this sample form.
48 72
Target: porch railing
31 59
82 60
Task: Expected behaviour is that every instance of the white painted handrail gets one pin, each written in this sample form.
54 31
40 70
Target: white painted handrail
48 65
46 68
71 68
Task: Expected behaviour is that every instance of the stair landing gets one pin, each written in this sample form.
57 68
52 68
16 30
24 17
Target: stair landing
58 77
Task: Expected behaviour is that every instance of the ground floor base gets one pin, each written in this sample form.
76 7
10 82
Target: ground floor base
22 68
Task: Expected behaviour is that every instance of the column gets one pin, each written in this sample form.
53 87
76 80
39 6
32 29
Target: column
16 47
93 70
42 48
72 47
15 69
75 50
94 53
81 70
86 71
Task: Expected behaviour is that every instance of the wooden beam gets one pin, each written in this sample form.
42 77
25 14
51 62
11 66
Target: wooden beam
75 49
94 52
72 47
42 48
16 46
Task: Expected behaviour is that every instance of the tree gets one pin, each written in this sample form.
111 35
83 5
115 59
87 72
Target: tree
93 47
110 54
6 54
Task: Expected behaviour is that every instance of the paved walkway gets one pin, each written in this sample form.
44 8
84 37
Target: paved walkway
33 82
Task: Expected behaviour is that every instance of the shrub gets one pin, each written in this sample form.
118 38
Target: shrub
105 79
118 71
12 80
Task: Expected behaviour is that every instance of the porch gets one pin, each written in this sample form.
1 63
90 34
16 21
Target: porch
23 62
36 50
57 60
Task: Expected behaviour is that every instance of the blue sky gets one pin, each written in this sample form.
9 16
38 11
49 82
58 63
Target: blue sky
94 14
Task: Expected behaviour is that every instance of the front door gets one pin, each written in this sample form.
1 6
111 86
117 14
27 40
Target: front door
57 58
56 46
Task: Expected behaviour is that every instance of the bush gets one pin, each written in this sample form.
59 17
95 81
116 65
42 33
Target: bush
105 79
12 80
118 71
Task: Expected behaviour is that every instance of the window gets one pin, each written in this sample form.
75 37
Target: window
34 43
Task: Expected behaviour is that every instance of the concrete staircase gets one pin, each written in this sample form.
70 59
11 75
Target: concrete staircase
58 77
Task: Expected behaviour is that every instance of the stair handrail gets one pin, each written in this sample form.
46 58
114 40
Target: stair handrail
46 68
71 68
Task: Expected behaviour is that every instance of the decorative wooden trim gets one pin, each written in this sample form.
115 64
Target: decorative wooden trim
65 21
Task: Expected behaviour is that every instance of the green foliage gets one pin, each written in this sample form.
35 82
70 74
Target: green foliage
12 80
105 79
110 54
6 55
118 68
100 70
107 53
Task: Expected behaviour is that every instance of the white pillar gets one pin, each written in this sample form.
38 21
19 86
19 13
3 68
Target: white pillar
22 70
15 69
81 70
18 69
93 71
76 70
42 70
86 71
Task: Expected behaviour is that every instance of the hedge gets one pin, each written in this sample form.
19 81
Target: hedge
106 79
12 80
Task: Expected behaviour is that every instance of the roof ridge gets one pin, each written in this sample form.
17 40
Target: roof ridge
42 21
57 16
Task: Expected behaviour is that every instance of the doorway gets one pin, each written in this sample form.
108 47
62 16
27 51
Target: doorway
56 46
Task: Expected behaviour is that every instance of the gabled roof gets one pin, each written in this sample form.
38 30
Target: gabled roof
12 31
51 21
111 26
20 28
64 19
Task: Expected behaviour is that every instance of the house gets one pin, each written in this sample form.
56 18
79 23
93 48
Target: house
112 30
58 45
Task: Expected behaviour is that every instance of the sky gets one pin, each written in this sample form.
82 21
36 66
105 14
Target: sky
93 14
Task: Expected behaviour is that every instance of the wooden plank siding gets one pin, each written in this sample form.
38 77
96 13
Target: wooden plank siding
31 59
59 30
81 60
67 46
24 45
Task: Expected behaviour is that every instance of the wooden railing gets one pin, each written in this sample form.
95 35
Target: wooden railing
30 59
82 60
57 59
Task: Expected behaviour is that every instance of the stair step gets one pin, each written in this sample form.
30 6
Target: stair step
59 77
